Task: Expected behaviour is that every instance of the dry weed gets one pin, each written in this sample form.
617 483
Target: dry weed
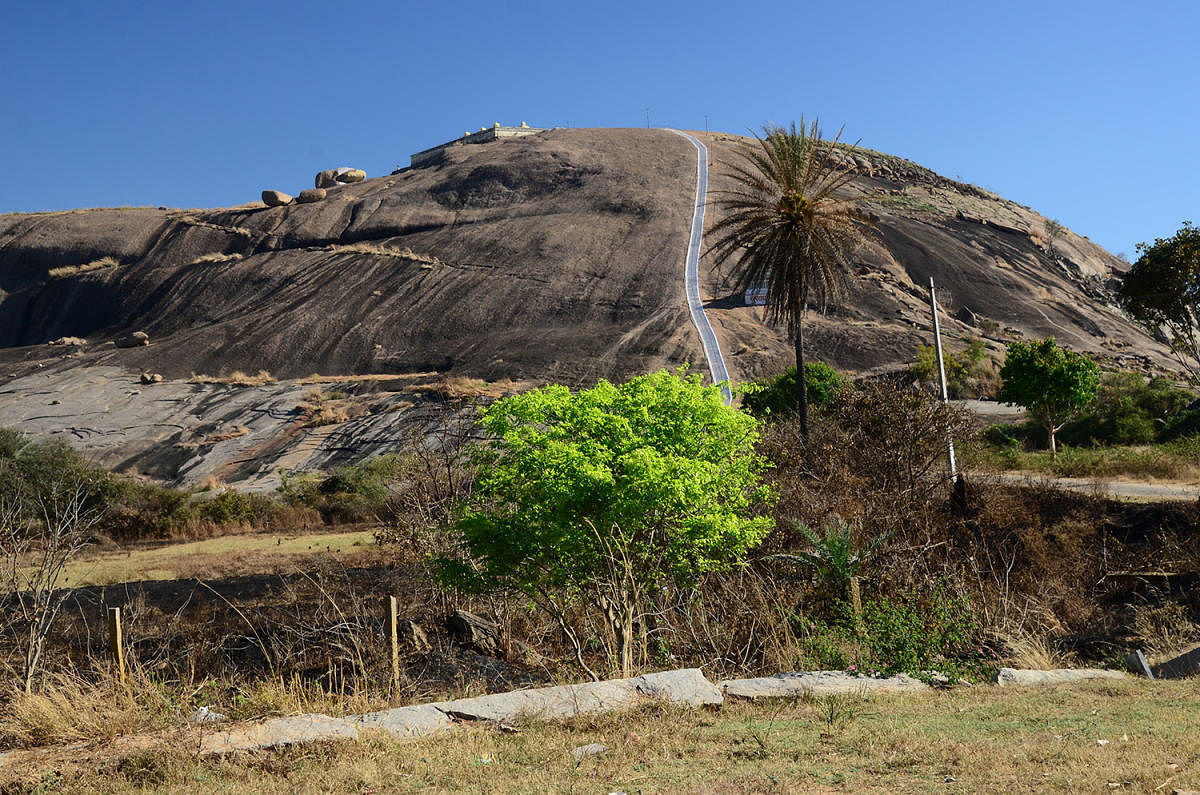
72 270
236 378
216 258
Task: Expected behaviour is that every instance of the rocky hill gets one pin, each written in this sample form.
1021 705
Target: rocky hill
553 257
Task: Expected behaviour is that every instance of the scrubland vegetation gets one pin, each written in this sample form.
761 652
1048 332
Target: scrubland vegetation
674 532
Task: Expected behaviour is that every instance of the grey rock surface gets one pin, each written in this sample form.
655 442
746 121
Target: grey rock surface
278 732
414 721
591 749
1059 676
173 431
687 686
1181 666
799 683
684 686
206 715
475 632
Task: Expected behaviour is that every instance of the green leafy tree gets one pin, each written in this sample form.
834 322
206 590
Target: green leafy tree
1161 293
1053 383
606 496
787 229
777 396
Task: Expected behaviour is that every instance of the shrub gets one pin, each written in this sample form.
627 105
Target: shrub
970 373
608 496
777 396
907 634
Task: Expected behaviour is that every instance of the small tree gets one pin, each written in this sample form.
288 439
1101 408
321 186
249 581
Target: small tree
606 497
1161 293
1054 384
50 501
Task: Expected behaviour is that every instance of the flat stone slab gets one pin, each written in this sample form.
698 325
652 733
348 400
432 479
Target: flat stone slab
687 686
278 732
415 721
1059 676
800 683
1179 667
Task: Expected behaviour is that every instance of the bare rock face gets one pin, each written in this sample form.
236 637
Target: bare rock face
350 176
276 198
326 179
310 195
134 340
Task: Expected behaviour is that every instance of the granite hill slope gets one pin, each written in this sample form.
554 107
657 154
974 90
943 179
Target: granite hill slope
552 257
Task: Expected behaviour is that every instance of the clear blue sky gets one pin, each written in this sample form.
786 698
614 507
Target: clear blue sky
1086 111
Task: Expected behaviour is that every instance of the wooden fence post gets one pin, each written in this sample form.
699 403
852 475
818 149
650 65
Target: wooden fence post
115 642
393 634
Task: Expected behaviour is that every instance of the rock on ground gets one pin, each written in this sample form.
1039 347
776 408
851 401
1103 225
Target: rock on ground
326 179
791 685
133 340
687 686
351 175
1179 667
276 198
310 195
1059 676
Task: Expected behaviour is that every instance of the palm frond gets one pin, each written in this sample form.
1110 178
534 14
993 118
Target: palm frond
782 224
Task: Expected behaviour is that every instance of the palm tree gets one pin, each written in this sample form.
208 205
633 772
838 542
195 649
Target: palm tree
787 228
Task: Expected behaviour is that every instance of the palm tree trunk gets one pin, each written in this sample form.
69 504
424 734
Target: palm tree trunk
801 382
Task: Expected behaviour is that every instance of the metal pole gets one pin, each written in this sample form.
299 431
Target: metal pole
937 342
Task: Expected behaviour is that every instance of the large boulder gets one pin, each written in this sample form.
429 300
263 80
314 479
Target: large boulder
311 195
275 198
351 175
327 178
133 340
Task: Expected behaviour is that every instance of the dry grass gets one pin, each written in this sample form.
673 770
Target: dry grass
236 378
459 387
1091 737
329 408
192 220
71 708
216 258
1027 651
384 251
74 270
213 557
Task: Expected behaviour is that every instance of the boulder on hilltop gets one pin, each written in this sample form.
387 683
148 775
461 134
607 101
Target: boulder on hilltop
276 198
310 195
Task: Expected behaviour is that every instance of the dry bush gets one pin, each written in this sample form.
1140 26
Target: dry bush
70 707
216 258
73 270
236 378
329 408
379 250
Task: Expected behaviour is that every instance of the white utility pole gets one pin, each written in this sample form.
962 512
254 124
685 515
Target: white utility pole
937 343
